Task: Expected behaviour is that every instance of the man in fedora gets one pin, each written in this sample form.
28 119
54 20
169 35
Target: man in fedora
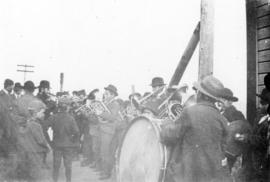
199 136
111 120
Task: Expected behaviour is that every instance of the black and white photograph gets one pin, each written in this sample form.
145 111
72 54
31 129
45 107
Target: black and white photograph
135 91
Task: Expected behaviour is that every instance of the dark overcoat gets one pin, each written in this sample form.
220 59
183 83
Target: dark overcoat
200 135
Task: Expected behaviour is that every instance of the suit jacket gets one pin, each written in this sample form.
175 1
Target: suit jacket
9 102
65 130
8 116
31 138
200 136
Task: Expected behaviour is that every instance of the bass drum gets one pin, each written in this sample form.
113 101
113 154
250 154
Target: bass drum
141 157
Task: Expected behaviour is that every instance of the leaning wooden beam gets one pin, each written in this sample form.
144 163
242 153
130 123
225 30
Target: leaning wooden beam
206 38
181 67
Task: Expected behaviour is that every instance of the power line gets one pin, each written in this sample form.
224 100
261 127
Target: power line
25 70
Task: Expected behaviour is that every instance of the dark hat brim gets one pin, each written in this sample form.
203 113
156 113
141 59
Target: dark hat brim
233 99
155 85
197 86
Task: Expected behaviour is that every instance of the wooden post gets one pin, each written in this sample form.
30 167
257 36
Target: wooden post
251 59
206 38
61 81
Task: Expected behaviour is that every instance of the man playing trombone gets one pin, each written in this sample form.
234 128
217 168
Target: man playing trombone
110 119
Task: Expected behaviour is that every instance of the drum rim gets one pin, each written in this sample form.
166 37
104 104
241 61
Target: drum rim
162 147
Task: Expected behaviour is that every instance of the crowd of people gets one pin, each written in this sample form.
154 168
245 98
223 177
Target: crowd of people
212 140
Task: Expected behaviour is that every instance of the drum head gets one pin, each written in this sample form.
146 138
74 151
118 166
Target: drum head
141 154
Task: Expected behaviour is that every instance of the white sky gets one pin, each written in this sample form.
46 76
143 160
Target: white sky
123 42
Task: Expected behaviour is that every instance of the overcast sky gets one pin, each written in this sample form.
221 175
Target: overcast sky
122 42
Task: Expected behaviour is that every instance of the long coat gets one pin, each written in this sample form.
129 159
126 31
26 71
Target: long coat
199 135
8 127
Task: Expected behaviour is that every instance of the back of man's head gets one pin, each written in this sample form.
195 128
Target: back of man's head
8 82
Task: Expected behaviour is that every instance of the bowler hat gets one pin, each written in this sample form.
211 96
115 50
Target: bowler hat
264 96
209 86
18 86
112 89
29 85
227 94
44 84
157 81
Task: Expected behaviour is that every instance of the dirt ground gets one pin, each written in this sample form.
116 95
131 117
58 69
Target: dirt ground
79 174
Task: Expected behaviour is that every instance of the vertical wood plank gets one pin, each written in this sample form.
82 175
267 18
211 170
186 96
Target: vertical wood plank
206 38
251 59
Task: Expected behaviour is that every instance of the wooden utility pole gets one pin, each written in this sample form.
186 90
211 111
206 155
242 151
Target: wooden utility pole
132 89
206 38
61 81
25 70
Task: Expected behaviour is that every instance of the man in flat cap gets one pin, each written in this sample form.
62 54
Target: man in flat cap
199 136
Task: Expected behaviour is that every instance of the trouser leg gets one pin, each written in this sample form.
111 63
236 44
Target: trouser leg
67 155
57 158
35 166
11 165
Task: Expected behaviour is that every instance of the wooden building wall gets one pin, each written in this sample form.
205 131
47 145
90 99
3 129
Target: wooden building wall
263 40
258 51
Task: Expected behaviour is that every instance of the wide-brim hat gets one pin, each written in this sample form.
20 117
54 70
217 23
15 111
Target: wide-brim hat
227 94
157 81
112 89
44 84
29 85
209 86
